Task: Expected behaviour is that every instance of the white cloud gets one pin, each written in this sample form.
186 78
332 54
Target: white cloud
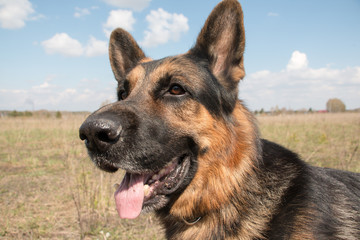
297 61
45 85
96 48
300 86
80 12
55 97
62 43
136 5
14 13
164 26
119 18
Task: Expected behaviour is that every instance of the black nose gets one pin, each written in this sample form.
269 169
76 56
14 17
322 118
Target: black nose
100 133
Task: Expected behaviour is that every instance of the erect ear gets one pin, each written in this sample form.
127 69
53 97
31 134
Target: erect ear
124 53
222 42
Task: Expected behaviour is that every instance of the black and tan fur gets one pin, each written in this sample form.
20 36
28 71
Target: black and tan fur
239 186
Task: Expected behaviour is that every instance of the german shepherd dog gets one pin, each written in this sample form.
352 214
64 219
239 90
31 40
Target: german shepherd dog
192 152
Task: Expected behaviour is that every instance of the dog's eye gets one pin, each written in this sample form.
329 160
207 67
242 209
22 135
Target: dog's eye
122 95
176 90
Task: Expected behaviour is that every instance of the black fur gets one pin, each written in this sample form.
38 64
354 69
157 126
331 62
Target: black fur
328 198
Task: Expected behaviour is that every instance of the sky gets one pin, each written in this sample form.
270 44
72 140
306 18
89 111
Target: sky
299 53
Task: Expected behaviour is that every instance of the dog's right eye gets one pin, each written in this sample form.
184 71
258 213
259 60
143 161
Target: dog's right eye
176 90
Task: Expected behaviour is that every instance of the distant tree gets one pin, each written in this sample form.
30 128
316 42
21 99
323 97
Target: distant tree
14 114
20 114
335 105
58 114
275 110
28 114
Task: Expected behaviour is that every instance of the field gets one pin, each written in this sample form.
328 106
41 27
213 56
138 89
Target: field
49 189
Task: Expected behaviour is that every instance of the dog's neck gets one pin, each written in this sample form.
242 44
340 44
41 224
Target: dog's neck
246 215
229 193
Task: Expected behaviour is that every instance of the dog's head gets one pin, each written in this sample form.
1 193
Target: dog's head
174 119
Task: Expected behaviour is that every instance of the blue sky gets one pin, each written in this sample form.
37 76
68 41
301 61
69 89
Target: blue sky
299 53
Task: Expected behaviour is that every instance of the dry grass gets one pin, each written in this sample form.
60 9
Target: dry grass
49 189
326 140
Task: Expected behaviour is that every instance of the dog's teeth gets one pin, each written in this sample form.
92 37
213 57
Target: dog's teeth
116 186
146 190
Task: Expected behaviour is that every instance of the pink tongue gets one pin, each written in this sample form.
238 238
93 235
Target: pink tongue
129 196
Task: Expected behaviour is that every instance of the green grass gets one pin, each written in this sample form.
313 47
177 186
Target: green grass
49 189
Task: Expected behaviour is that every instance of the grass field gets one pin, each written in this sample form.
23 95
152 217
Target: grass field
49 189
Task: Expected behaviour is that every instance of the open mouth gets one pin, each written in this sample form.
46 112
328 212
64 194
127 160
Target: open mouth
138 190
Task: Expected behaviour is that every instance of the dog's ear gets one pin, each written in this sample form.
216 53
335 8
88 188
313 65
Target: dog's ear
222 42
124 53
